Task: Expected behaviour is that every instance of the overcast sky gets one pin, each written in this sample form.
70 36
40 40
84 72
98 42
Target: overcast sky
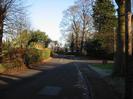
46 15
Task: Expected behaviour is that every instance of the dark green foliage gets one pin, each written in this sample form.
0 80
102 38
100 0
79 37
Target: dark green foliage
104 16
30 56
39 36
52 53
104 23
73 53
72 43
47 42
94 49
26 59
60 52
25 38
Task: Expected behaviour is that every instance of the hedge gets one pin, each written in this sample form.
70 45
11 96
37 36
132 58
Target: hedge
37 55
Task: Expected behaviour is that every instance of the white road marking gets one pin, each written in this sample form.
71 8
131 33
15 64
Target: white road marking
82 82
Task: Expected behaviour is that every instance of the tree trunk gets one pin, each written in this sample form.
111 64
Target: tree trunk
82 43
129 30
0 46
120 49
128 60
128 51
77 42
72 43
1 36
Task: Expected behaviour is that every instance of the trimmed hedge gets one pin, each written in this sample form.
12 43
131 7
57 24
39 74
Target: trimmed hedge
45 54
36 55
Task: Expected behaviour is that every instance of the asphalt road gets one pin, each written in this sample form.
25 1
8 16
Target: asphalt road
64 77
58 79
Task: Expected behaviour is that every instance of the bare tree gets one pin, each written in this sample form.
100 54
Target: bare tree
71 23
85 11
77 19
9 10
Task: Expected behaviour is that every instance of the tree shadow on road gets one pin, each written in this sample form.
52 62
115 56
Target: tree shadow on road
52 73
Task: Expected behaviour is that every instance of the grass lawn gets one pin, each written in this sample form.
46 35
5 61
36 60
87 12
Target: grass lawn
103 66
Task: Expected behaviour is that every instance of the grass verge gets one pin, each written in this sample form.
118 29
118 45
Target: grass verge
104 66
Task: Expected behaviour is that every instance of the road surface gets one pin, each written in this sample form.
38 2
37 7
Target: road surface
65 77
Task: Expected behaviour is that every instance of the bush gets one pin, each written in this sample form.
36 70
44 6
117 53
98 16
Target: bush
95 50
2 68
36 55
45 53
31 56
73 53
52 53
60 52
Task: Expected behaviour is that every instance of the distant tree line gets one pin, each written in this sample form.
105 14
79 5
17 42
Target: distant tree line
88 27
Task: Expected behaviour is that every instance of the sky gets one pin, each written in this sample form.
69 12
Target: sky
46 15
